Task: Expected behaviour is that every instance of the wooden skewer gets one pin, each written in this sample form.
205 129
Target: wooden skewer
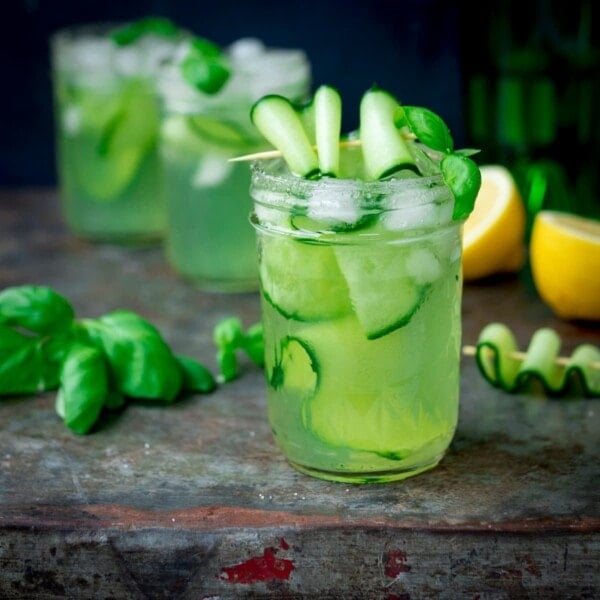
560 360
277 153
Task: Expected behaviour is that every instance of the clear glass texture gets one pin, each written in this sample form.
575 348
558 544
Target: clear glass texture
107 119
360 292
209 239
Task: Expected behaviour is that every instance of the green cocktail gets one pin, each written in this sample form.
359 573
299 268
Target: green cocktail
361 323
359 245
209 240
107 130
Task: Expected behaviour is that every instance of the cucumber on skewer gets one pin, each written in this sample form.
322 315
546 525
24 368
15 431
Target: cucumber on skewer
384 149
277 120
328 125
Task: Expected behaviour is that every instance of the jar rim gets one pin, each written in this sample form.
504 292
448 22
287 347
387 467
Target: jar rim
272 174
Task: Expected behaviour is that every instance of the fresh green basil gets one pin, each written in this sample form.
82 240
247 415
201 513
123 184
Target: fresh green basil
463 178
195 377
131 32
229 337
204 66
96 363
427 126
254 345
83 387
228 363
228 333
36 308
21 363
141 363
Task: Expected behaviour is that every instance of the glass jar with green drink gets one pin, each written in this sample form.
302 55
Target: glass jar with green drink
107 128
361 284
209 240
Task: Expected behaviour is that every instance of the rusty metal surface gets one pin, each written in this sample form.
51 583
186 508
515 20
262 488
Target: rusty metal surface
194 501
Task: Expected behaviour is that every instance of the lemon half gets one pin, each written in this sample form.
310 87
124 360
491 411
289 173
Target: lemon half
494 233
565 263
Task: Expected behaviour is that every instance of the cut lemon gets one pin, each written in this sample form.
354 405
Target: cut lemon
565 263
494 232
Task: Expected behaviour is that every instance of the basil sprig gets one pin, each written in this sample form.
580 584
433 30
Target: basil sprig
229 337
460 173
94 363
131 32
205 67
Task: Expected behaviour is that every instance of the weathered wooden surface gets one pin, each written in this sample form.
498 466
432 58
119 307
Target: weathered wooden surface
194 501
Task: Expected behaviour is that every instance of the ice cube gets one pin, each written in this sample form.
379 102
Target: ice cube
90 53
128 60
333 208
154 51
211 171
245 49
423 265
71 119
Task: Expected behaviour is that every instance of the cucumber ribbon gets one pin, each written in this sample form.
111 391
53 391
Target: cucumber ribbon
503 366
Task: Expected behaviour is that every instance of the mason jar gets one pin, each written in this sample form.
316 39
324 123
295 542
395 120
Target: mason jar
106 121
361 295
209 240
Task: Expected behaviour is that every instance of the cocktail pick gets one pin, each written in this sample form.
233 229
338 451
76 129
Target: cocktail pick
276 153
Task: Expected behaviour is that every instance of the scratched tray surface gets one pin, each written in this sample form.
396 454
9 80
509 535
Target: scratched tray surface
515 458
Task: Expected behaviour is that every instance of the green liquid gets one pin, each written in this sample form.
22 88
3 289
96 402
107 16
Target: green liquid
108 161
210 240
351 408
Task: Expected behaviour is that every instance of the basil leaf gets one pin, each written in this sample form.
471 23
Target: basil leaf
254 345
53 350
463 178
141 363
114 400
467 151
228 333
21 363
195 376
131 32
228 363
428 127
37 308
204 66
83 387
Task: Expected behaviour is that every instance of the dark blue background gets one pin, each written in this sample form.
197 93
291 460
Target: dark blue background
409 47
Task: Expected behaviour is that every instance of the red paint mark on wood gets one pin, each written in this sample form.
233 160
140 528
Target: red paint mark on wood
260 568
394 563
283 544
531 567
511 574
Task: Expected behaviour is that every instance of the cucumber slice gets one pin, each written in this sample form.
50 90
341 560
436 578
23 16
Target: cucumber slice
328 125
294 369
387 284
368 382
114 137
302 222
302 280
177 137
224 134
276 119
384 149
306 112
